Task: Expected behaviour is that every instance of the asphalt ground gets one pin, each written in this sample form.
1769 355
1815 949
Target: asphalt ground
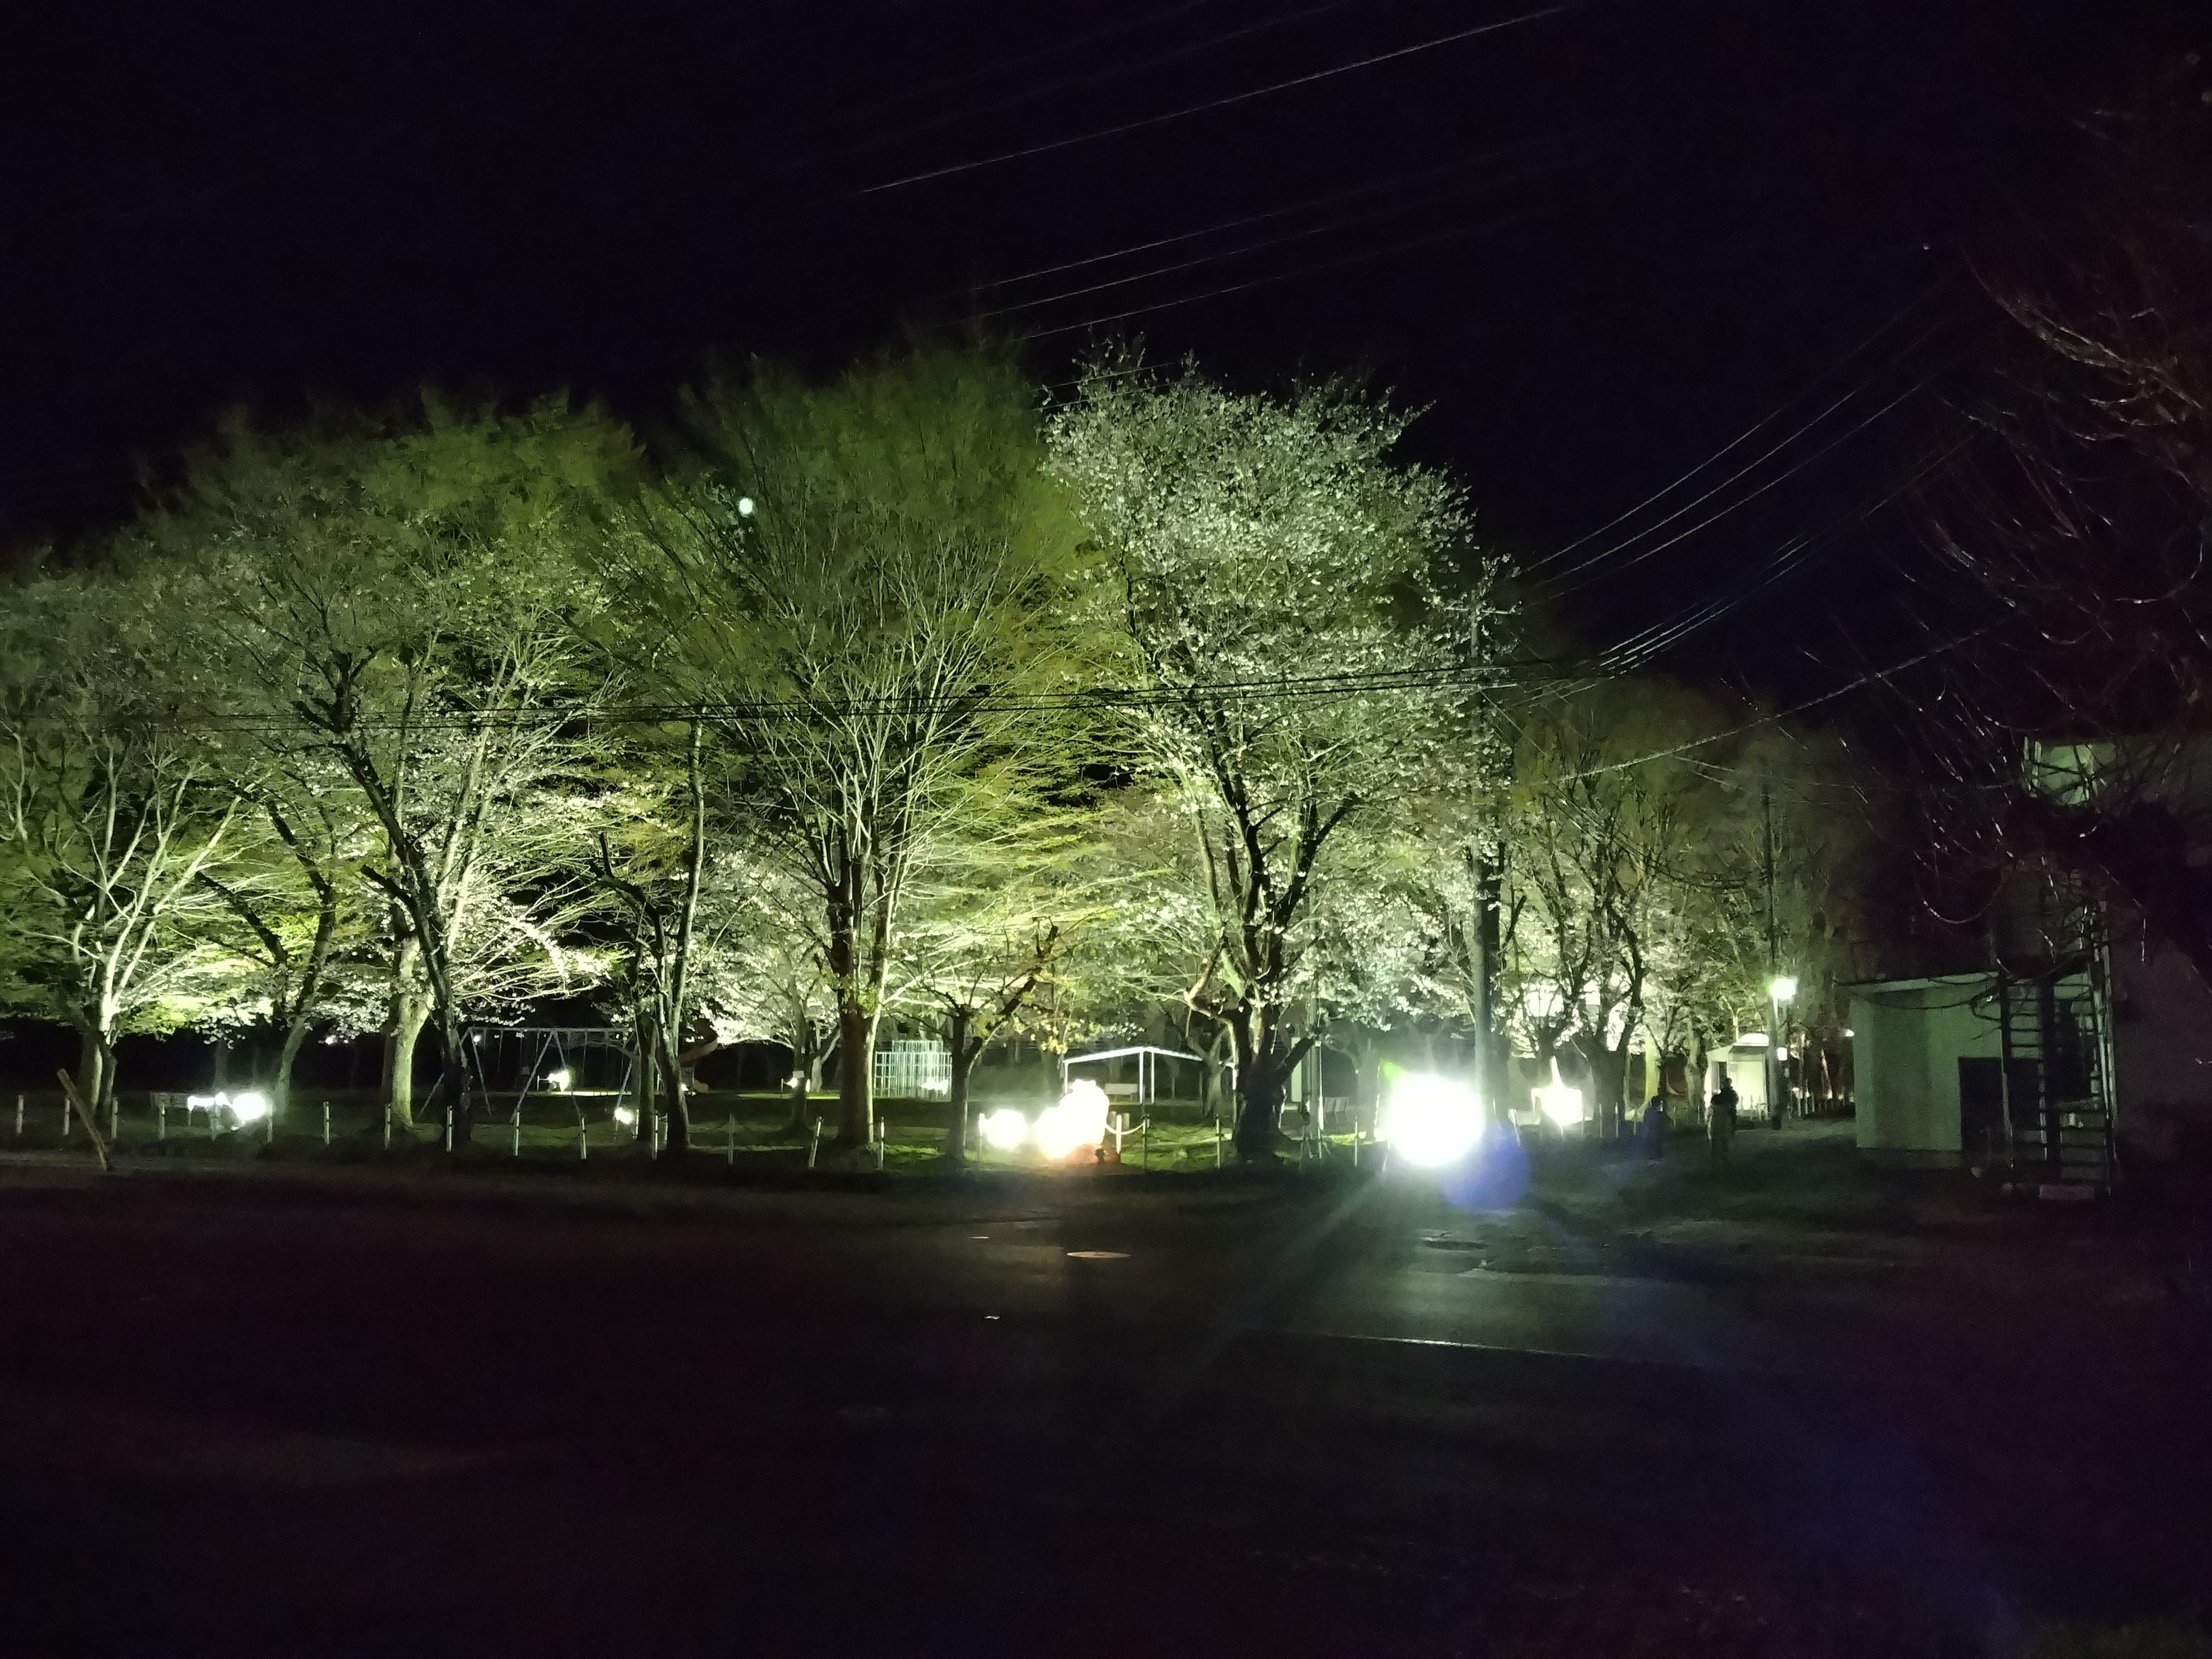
340 1411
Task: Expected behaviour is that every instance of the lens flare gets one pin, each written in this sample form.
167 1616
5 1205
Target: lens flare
1079 1121
1431 1120
1562 1103
249 1107
1005 1130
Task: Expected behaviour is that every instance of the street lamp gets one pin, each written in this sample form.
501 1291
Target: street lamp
1783 988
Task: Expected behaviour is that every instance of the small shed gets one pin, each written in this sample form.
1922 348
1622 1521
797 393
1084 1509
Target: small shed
1742 1063
1148 1056
1928 1058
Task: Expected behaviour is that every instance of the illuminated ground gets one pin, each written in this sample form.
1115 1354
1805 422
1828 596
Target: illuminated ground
291 1409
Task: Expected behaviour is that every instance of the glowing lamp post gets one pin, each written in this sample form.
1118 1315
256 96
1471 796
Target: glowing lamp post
1782 991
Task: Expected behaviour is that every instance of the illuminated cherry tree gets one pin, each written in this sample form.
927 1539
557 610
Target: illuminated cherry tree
1302 608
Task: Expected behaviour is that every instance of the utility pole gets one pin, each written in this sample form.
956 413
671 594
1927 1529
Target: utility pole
1773 951
1489 880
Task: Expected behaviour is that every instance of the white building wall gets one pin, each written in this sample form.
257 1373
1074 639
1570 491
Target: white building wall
1906 1044
2161 1050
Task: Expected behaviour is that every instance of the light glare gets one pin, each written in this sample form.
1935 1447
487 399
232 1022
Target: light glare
561 1079
1562 1103
1079 1121
1431 1120
1783 988
1005 1129
249 1107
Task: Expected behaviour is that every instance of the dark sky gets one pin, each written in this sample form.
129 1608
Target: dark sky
1602 243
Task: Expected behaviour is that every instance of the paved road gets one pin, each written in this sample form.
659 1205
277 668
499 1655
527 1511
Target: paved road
346 1415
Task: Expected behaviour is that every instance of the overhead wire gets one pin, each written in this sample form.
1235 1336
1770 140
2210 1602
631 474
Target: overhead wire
1366 256
1872 676
1559 583
1224 102
1749 432
1322 229
1241 220
1111 72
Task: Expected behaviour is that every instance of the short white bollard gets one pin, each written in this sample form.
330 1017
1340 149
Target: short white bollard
517 1129
813 1142
1219 1152
730 1136
65 1117
19 1115
114 1119
583 1137
883 1143
387 1128
449 1129
326 1123
160 1117
268 1134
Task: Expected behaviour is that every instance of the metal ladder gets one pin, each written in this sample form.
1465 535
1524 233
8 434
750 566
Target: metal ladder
2057 1100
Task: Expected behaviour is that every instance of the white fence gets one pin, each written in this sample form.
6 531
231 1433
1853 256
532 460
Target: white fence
913 1065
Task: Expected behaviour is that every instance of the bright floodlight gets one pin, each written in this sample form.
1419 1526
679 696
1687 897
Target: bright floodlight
744 507
1431 1120
1005 1129
1080 1119
625 1117
1562 1103
1783 988
560 1078
249 1107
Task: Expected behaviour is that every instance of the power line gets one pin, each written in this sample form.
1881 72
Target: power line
1764 420
1351 193
1871 677
1321 229
1362 257
1218 103
1114 72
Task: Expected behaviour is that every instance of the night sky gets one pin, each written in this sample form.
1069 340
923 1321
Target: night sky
1602 242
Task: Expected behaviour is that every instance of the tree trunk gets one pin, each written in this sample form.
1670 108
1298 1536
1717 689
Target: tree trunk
452 1089
645 1071
1213 1087
280 1088
679 972
1262 1073
856 1060
409 1013
1261 1089
806 1072
963 1062
679 1097
95 1067
1609 1071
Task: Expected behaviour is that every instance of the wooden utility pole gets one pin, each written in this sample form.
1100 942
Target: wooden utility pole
1773 952
1489 881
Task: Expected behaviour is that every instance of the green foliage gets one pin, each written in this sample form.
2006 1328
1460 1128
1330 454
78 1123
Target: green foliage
1305 609
110 815
868 586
